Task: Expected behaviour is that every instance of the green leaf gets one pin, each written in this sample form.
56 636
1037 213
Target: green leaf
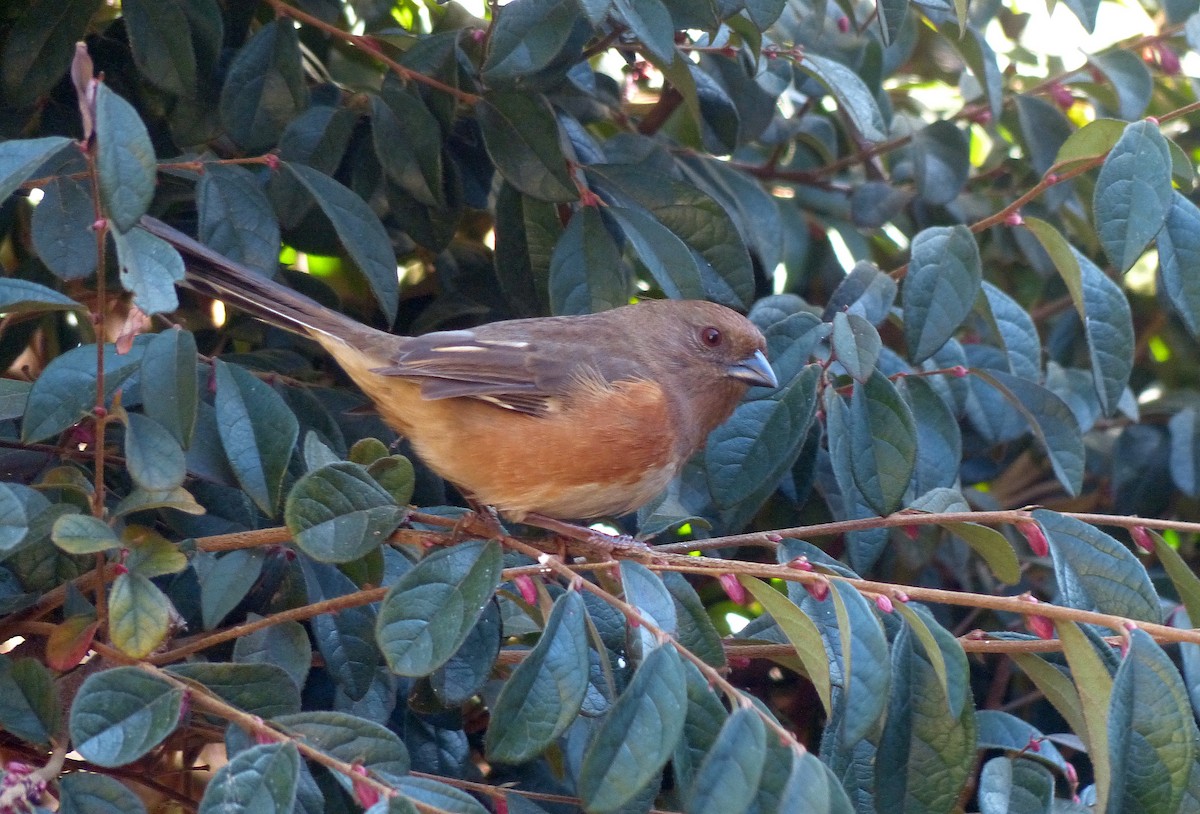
1150 729
1001 730
396 475
151 554
260 689
856 345
645 591
62 232
143 500
150 267
1130 79
1095 572
258 432
939 438
38 49
360 232
1088 143
66 390
121 714
429 612
346 640
992 546
526 37
1094 686
284 645
1064 256
1108 325
23 297
1178 257
20 158
161 45
91 793
943 281
14 521
664 254
748 454
981 59
651 23
225 581
264 89
1133 193
944 653
351 739
236 218
438 796
728 778
695 629
1015 786
339 513
29 705
637 737
153 456
852 94
139 615
125 160
13 396
1014 331
522 137
543 695
863 653
1044 131
801 634
883 443
260 779
1054 683
1186 583
83 534
170 362
941 162
408 142
585 270
1051 420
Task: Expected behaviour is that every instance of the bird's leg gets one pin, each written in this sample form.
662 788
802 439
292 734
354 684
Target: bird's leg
597 541
483 521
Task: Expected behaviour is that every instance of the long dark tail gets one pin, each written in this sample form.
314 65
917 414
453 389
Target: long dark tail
217 276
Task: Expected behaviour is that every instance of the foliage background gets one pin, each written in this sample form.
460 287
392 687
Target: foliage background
977 270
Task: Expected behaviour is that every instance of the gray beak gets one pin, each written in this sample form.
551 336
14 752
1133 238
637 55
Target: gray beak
755 370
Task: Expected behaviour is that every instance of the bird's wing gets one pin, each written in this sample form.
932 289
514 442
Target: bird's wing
524 374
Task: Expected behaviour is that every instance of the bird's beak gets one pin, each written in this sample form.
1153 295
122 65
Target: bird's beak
755 370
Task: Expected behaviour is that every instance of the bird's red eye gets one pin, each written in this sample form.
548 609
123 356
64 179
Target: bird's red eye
710 336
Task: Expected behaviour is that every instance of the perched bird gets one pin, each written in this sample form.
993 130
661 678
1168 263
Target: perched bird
572 417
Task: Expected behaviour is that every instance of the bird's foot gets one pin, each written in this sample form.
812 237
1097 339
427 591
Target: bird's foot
596 543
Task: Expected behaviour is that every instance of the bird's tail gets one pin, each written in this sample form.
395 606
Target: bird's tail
217 276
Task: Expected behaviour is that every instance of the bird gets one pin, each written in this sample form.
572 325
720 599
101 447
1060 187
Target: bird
566 417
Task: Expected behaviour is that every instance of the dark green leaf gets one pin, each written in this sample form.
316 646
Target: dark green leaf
981 59
939 438
526 37
20 158
585 269
153 456
728 778
1108 325
162 48
125 160
236 218
150 267
1095 572
29 705
39 48
1051 420
360 232
943 281
1014 786
544 694
1150 729
351 739
941 161
62 232
261 779
1093 684
408 142
260 689
23 297
1015 332
264 88
90 793
1133 193
645 591
696 631
339 513
257 431
429 612
863 654
1130 79
651 23
225 582
121 714
1044 130
1178 257
883 443
522 138
638 735
856 345
665 256
284 645
439 795
170 362
1000 730
345 639
801 633
852 95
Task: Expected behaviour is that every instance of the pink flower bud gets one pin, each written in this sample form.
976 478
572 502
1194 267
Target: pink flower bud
884 603
527 589
817 590
733 589
911 532
843 24
1040 626
959 372
365 795
1142 538
1014 219
739 662
1153 120
900 596
800 564
1035 537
